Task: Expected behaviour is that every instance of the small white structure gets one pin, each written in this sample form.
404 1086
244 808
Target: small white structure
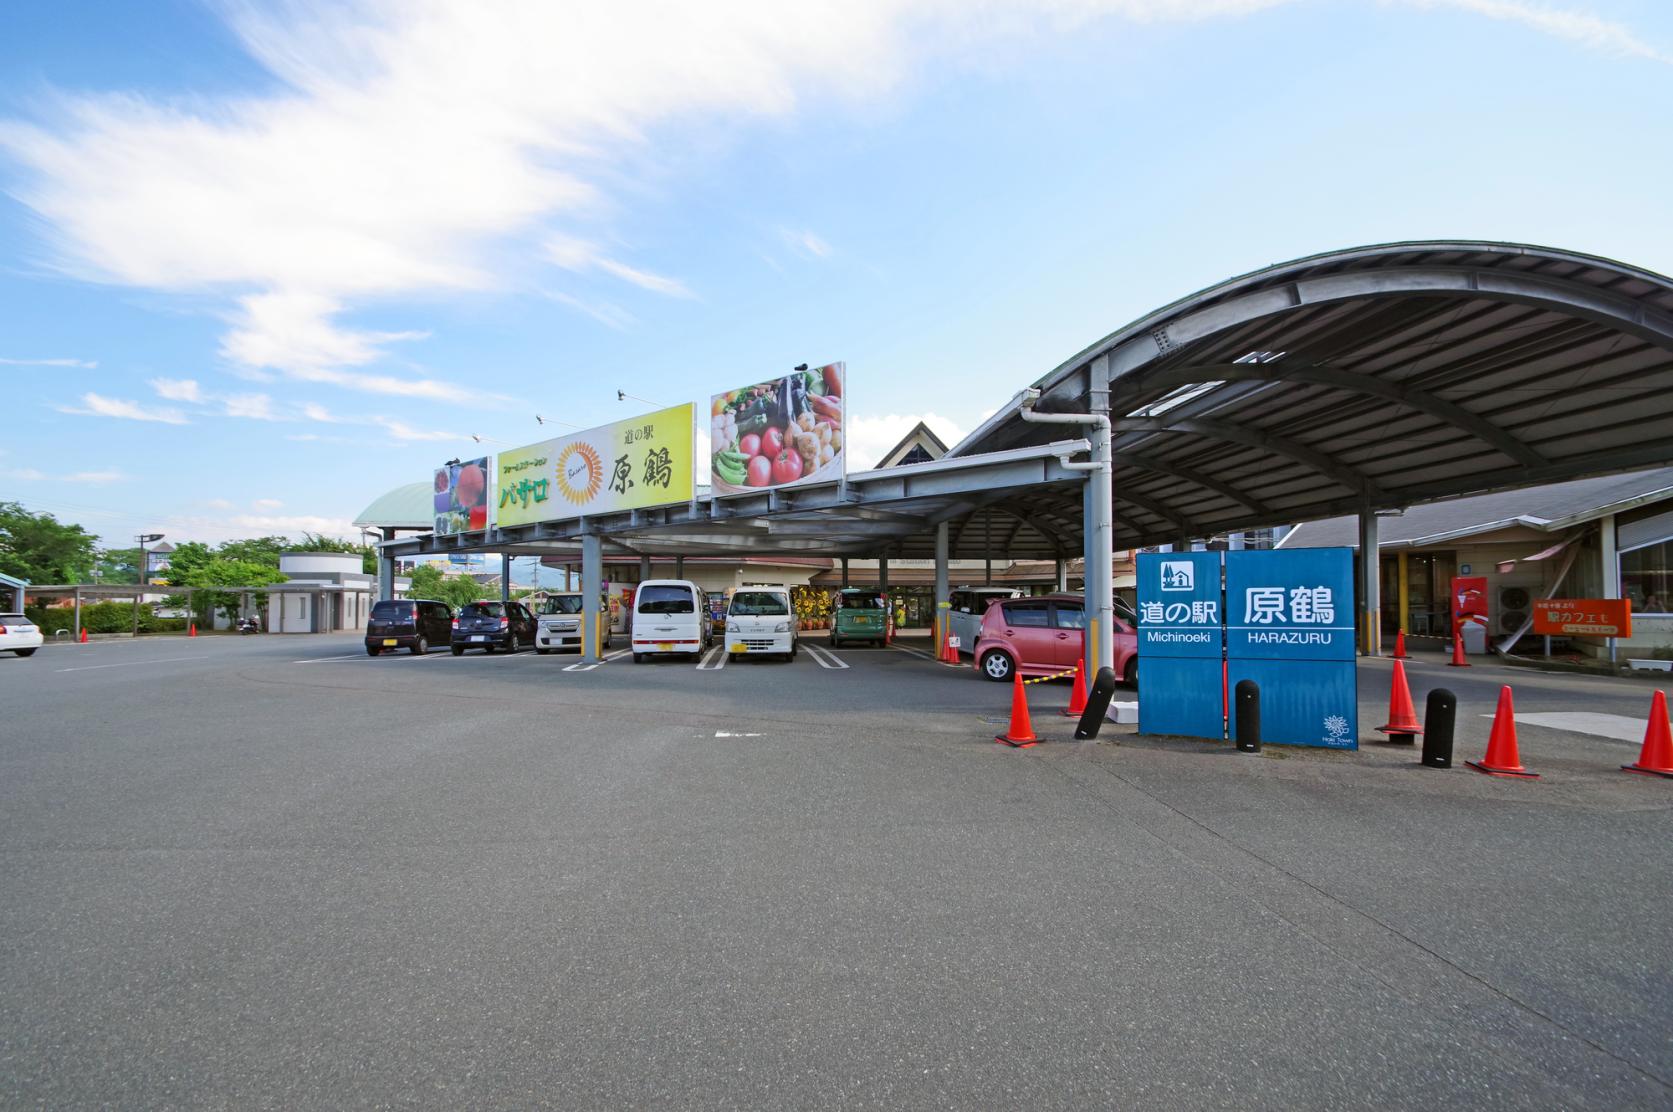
323 592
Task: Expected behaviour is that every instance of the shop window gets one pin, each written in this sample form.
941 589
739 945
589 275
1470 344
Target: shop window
1647 578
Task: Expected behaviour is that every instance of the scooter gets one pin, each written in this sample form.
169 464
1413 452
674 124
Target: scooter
248 625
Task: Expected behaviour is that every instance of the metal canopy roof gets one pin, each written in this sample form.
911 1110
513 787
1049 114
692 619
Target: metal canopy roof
1387 375
1013 503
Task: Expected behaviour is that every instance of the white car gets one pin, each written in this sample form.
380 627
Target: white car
759 620
19 635
668 619
559 623
965 610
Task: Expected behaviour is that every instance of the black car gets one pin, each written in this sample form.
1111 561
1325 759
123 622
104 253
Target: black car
493 625
414 624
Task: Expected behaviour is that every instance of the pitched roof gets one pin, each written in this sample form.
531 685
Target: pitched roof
1543 508
919 434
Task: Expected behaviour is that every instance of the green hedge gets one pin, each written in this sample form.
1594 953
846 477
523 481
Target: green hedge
102 617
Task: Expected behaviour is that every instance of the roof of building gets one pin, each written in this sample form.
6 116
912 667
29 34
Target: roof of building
409 506
8 581
1543 508
920 436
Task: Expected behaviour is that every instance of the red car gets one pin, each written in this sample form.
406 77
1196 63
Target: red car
1043 635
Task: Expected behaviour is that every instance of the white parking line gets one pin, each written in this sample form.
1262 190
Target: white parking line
578 667
1617 726
128 663
919 653
824 657
345 656
714 661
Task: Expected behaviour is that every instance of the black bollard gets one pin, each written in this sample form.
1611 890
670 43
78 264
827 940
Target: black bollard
1439 714
1097 705
1248 700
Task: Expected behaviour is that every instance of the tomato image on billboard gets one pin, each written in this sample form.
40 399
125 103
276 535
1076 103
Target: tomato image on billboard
461 496
779 432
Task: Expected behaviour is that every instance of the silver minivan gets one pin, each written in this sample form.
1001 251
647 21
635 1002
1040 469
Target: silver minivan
965 610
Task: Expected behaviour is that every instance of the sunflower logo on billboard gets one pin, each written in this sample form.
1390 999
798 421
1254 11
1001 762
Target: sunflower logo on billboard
580 472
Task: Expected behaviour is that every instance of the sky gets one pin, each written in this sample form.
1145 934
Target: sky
261 262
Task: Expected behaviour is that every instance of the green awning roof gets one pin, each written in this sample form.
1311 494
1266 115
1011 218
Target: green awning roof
406 507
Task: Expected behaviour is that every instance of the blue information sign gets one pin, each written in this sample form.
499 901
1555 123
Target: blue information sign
1181 642
1290 628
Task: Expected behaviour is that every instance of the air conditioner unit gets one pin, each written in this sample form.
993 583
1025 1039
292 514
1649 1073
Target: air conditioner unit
1512 608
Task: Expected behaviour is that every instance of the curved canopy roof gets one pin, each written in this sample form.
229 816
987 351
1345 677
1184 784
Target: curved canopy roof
1378 376
406 507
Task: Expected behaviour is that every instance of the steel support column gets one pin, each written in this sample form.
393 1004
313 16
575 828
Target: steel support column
1370 584
592 589
1611 567
882 575
943 592
845 571
679 567
505 577
1100 529
386 570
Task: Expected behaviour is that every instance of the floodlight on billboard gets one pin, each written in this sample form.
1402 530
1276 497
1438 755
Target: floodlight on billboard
775 433
627 465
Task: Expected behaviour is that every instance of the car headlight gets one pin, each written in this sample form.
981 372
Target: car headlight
732 627
782 627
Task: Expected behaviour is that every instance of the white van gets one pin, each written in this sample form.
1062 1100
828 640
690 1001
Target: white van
966 605
759 620
668 617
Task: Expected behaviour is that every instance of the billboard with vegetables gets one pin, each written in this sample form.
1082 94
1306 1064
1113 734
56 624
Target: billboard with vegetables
461 496
627 465
778 432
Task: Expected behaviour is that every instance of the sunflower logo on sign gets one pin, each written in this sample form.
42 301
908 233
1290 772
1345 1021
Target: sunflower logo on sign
580 472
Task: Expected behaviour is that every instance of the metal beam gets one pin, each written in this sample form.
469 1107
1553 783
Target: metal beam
1329 466
1141 462
1353 382
1155 508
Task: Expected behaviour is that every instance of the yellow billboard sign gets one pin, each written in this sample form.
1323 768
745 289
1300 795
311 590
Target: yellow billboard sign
628 465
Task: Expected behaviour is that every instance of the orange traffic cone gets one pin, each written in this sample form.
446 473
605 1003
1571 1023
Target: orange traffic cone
84 635
1077 697
1458 660
1403 726
949 655
1502 758
194 631
1021 731
1656 759
1400 645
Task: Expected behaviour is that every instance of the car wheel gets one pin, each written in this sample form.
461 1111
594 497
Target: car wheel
1131 676
420 646
638 658
512 648
734 657
25 652
372 650
998 667
458 650
793 647
835 642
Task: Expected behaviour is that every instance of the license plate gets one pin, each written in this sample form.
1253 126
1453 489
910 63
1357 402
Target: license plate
665 646
389 642
479 637
739 647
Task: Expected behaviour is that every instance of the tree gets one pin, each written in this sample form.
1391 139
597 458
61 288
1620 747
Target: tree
219 572
255 550
41 549
428 582
317 542
117 565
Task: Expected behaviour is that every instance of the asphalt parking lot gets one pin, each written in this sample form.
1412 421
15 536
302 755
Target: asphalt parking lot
274 872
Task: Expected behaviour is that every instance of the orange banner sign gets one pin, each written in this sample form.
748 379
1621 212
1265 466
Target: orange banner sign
1583 617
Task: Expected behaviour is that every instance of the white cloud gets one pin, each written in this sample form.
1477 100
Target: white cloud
321 414
578 256
267 504
97 405
400 430
611 316
218 504
805 243
867 438
410 147
269 524
1579 27
83 364
177 389
31 474
257 407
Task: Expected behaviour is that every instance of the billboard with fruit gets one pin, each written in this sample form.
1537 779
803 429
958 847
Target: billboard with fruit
628 465
461 496
779 432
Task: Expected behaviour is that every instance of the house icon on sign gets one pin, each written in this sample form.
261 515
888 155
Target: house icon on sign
1178 575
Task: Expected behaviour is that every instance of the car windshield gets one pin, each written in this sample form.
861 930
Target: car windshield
753 603
847 601
483 610
664 600
391 611
563 604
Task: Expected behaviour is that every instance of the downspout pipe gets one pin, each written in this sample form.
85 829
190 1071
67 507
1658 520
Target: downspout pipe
1099 526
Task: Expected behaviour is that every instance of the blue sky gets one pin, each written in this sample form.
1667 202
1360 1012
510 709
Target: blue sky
260 262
